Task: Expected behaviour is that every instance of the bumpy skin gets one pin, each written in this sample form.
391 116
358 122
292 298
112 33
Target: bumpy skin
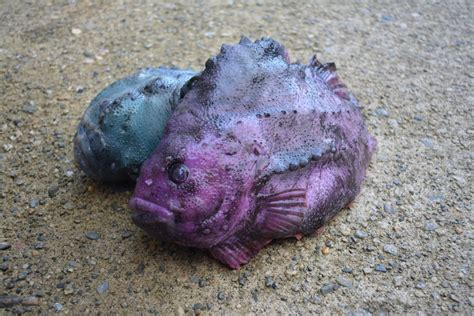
258 149
125 122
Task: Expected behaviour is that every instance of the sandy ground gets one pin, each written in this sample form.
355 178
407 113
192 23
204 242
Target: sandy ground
405 246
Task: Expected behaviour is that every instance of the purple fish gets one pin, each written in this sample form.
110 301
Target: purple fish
258 149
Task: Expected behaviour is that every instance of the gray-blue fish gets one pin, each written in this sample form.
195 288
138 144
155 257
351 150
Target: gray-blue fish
125 122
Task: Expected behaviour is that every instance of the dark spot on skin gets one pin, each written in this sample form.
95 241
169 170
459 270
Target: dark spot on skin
266 114
283 112
256 151
294 111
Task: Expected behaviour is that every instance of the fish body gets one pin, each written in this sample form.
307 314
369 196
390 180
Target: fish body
124 123
258 149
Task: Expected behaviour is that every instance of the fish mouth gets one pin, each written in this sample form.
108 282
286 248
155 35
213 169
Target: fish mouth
146 212
84 155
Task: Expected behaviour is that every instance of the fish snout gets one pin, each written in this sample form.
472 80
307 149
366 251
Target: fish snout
84 154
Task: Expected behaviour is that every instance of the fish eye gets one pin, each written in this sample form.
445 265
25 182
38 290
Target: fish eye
178 172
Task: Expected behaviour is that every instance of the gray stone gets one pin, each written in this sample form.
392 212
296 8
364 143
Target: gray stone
53 190
269 282
380 268
4 245
92 235
34 203
431 226
328 288
391 249
387 207
344 282
381 112
361 234
427 142
30 107
347 270
57 307
103 287
39 245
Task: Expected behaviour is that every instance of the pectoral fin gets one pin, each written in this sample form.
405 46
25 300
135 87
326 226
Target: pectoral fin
235 253
281 214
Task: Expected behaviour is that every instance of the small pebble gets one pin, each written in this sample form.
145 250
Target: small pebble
30 107
361 234
381 112
328 288
5 246
76 31
380 268
391 249
221 296
4 266
398 280
103 287
34 203
198 306
53 190
370 248
427 142
39 245
58 307
367 270
126 234
387 207
325 250
269 282
431 226
92 235
344 282
347 270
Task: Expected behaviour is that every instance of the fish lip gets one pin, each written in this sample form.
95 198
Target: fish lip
146 212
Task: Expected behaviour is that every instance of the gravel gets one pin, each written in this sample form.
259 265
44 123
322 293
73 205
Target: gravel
347 270
92 235
30 107
431 226
344 282
391 249
269 282
57 307
380 268
5 245
103 287
328 288
53 190
408 64
361 234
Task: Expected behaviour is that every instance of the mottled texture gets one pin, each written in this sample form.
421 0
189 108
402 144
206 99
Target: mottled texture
258 149
124 123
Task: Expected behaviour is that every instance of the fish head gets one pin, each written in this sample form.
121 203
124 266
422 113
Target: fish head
192 190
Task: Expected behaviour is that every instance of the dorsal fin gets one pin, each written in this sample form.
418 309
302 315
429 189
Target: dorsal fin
327 72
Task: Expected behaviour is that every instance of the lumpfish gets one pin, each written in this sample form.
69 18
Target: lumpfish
258 149
124 123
